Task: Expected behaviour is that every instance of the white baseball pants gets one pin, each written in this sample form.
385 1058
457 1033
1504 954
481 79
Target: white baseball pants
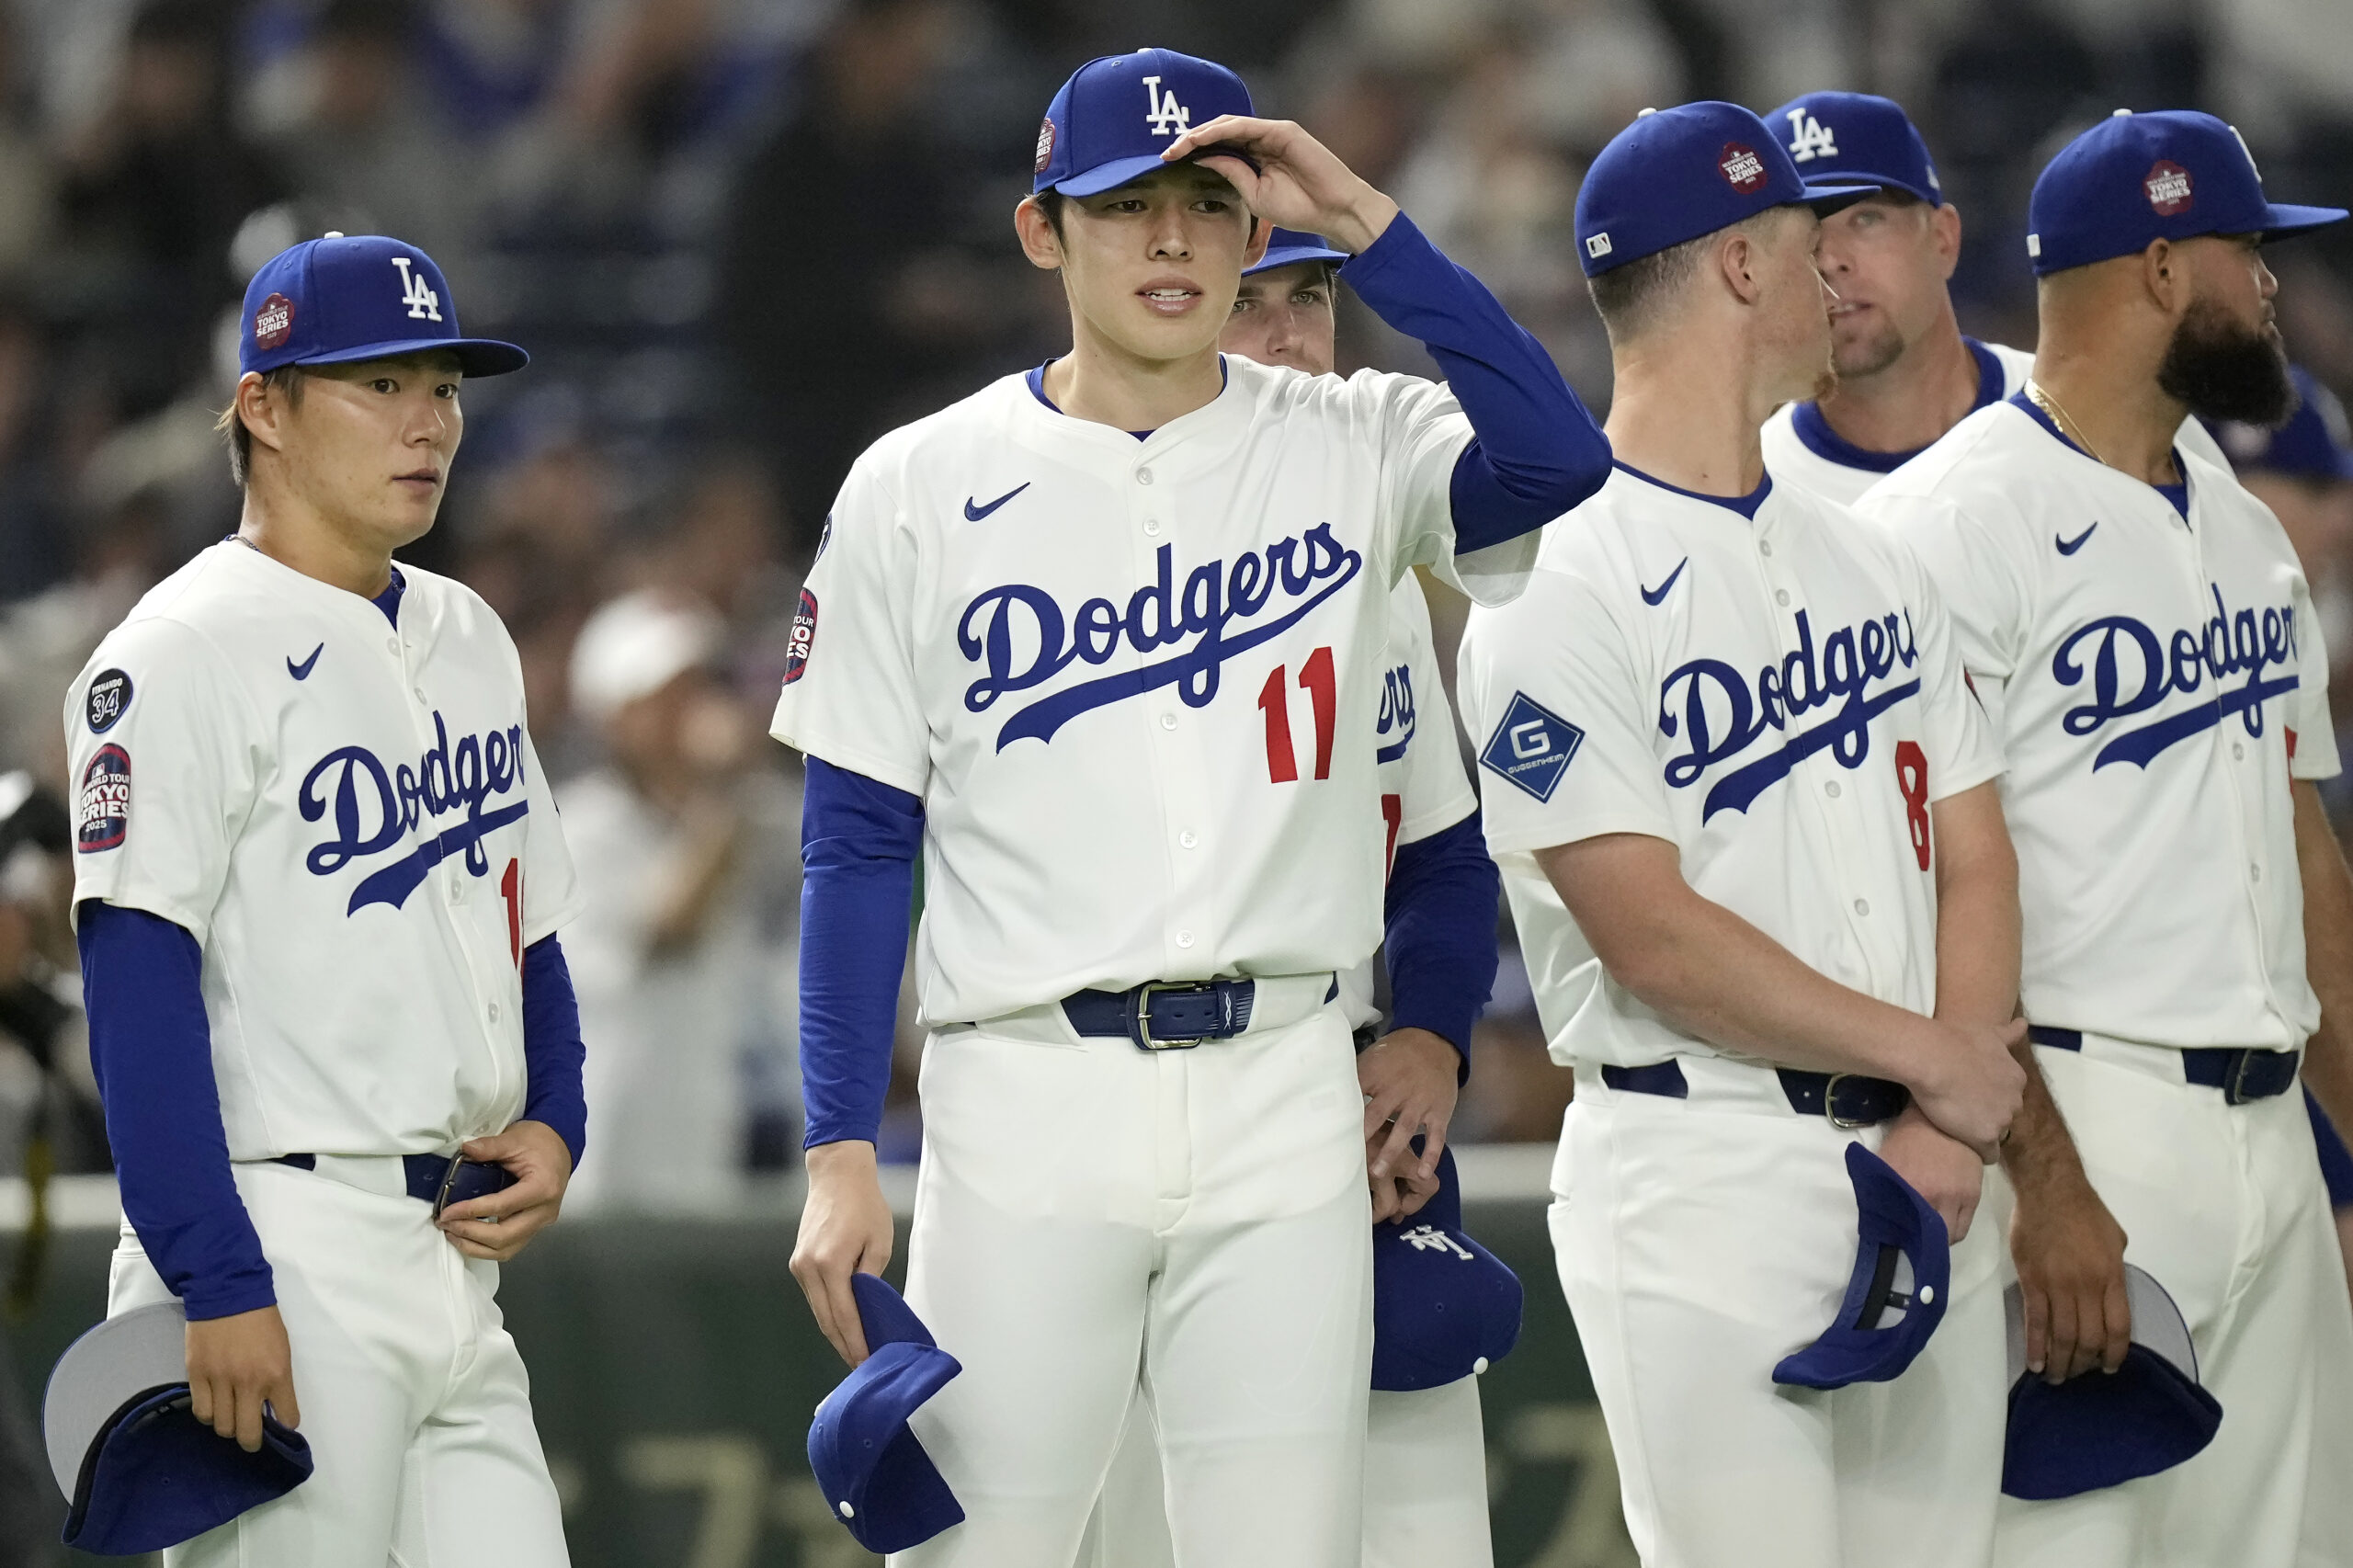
1424 1487
414 1398
1091 1218
2224 1205
1699 1240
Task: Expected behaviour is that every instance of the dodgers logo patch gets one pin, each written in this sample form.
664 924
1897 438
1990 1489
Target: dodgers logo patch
1532 747
102 816
374 809
109 694
803 638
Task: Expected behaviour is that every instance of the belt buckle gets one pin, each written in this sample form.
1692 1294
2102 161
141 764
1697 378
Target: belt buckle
1141 1030
2234 1082
449 1179
1830 1102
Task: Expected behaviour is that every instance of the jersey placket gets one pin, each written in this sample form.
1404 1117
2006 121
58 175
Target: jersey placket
1173 731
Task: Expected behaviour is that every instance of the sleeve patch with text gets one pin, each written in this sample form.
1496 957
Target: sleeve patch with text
102 817
1532 747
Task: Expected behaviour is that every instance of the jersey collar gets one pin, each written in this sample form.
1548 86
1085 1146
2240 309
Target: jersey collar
2176 495
1807 422
1745 504
1036 381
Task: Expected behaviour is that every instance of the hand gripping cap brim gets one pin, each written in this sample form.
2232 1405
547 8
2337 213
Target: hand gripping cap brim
2101 1429
1443 1306
1896 1230
140 1473
1113 119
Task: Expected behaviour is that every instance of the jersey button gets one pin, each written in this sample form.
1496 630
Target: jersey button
391 644
420 692
1184 938
1862 907
2237 749
1168 720
1780 596
1831 788
1151 525
1188 838
1144 476
494 1012
2255 873
1764 546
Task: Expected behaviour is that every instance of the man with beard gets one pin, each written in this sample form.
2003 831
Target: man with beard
1906 373
2139 626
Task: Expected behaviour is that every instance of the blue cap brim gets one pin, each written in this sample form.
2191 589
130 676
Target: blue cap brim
1827 199
1291 255
1119 171
2288 218
476 356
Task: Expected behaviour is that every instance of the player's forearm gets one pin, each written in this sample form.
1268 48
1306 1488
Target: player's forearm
1717 977
2040 1154
1537 452
151 1048
1441 937
1977 909
2328 956
553 1055
858 843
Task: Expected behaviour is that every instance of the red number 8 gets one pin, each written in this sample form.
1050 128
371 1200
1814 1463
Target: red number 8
1911 778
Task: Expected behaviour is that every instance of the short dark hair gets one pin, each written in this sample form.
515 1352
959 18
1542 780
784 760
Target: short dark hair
1050 202
1629 297
287 379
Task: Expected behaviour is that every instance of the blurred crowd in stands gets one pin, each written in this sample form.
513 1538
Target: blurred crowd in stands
743 237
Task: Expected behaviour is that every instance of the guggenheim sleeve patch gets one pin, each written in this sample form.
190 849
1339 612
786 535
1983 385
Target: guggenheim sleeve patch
1532 747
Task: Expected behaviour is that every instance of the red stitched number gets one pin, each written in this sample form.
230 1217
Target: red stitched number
1911 778
1393 811
1322 687
510 888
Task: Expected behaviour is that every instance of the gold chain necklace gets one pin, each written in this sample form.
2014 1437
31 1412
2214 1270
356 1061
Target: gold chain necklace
2073 431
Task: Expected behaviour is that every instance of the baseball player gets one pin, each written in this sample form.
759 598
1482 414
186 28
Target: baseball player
318 881
1103 640
2139 626
1743 801
1906 374
1425 1466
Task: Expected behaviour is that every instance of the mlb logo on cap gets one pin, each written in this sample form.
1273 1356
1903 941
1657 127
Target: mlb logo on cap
1116 115
140 1472
1897 1294
350 297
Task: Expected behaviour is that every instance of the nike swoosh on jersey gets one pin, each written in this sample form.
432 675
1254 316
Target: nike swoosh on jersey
1656 596
974 514
302 670
2069 546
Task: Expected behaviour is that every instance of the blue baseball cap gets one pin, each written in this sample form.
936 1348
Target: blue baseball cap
1860 137
2172 174
1903 1265
1676 174
873 1472
1443 1306
139 1470
348 297
2314 443
2102 1429
1287 247
1116 114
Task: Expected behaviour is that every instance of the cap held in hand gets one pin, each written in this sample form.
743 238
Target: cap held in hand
874 1474
1897 1294
1443 1306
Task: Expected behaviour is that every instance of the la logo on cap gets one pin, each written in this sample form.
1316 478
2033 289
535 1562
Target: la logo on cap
273 322
2168 187
1742 167
1810 138
1162 111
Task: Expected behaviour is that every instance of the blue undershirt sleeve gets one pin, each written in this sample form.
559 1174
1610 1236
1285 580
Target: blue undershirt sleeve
150 1050
553 1052
1536 452
1440 941
858 843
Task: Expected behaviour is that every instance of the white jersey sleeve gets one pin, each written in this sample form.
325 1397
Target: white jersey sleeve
855 703
1423 433
550 897
1552 680
165 761
1418 723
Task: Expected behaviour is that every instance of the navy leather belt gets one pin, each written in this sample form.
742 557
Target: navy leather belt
433 1179
1162 1015
1847 1099
2242 1075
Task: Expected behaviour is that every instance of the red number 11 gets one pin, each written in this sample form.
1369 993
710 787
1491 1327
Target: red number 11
1274 701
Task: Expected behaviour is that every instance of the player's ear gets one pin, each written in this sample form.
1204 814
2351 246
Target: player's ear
1736 259
1040 242
1944 224
263 410
2165 273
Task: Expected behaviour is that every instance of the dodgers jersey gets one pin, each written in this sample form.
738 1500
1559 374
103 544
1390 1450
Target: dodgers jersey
351 819
2149 676
1801 449
1423 789
1782 699
1134 682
